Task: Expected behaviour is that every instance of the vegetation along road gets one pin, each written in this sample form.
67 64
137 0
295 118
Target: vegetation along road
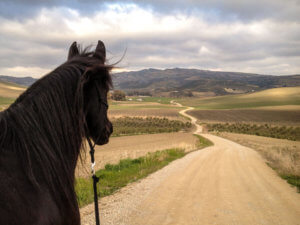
225 184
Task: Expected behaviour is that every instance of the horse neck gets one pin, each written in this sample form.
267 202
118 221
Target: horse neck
46 124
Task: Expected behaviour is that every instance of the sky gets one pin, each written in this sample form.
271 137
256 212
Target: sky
234 35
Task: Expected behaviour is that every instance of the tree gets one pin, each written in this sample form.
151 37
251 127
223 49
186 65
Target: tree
118 95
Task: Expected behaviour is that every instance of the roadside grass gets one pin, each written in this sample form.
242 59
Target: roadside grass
266 130
292 180
283 156
202 142
270 97
114 177
149 125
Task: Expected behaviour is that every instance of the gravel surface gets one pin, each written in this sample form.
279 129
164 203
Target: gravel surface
225 184
117 208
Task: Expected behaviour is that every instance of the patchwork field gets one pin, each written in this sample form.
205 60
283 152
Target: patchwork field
143 109
10 90
134 147
124 126
283 115
8 93
270 97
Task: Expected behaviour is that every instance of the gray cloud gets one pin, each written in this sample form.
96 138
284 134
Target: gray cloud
203 34
215 10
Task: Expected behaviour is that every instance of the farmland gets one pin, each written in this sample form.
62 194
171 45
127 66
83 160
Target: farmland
286 115
10 90
8 93
134 147
143 109
270 97
149 125
280 132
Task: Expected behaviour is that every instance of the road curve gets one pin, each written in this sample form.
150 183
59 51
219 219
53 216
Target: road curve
226 184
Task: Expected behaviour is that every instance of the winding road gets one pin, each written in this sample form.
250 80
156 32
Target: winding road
225 184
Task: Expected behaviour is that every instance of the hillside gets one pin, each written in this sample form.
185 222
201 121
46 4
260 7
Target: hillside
182 82
10 90
270 97
24 81
218 83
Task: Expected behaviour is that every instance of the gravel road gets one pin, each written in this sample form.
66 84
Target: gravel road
225 184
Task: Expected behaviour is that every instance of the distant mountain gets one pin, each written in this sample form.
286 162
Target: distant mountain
193 80
177 80
25 81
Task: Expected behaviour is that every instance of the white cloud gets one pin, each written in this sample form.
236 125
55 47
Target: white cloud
38 44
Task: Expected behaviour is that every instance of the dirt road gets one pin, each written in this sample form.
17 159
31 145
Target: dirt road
226 184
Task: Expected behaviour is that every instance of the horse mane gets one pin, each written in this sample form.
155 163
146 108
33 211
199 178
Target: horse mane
45 127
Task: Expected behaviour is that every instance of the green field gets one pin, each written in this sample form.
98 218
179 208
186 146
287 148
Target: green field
270 97
114 177
6 101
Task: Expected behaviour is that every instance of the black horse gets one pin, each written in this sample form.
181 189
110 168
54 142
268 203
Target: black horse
42 133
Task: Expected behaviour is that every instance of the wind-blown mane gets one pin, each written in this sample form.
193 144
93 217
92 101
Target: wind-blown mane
48 118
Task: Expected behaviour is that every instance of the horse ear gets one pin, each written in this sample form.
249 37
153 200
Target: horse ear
100 51
73 50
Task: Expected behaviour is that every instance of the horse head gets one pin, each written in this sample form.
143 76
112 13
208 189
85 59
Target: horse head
95 83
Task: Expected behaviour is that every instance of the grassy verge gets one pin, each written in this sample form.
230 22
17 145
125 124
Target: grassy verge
292 179
270 97
283 156
281 132
114 177
150 125
202 142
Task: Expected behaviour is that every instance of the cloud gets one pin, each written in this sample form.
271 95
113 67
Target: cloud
153 38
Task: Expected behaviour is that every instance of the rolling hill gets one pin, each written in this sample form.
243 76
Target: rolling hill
181 82
23 81
219 83
10 90
271 97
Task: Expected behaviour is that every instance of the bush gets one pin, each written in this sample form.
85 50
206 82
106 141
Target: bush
118 95
149 125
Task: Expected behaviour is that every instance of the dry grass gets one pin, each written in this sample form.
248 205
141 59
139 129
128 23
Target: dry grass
10 90
170 113
134 147
270 97
282 155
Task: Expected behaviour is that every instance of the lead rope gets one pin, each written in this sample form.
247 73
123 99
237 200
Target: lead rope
95 180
